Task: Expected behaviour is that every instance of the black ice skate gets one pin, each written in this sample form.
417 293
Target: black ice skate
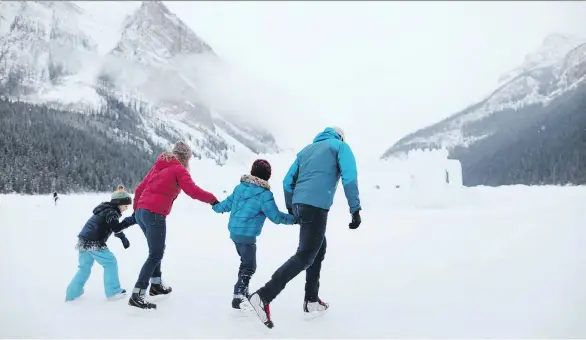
159 289
236 301
240 302
137 300
262 309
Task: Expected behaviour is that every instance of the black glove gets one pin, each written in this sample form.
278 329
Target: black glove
132 219
214 202
356 220
124 240
290 211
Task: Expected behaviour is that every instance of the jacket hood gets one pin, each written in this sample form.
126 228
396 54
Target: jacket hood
328 133
254 186
105 206
161 163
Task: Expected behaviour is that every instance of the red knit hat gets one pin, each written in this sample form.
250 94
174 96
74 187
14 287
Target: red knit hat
261 169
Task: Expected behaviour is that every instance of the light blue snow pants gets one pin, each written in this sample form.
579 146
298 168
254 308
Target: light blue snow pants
86 261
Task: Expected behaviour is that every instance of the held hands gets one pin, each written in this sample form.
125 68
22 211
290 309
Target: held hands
356 220
214 202
131 220
124 240
290 212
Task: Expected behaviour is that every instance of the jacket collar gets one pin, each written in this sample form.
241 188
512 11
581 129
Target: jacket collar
256 181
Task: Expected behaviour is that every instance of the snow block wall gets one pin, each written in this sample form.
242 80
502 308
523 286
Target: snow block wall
418 169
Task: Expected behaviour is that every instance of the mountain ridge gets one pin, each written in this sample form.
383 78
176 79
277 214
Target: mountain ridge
521 101
133 94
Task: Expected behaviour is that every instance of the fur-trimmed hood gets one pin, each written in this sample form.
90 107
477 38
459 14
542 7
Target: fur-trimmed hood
250 204
256 181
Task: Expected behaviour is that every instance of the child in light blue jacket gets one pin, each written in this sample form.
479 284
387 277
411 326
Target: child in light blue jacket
249 205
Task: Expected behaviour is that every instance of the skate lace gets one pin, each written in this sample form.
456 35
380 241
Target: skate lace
142 300
163 285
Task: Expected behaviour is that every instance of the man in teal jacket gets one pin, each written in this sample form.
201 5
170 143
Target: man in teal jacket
309 187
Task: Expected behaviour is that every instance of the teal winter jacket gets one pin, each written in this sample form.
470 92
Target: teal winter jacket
313 177
249 205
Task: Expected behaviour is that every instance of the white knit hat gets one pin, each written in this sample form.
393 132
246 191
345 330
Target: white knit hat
340 132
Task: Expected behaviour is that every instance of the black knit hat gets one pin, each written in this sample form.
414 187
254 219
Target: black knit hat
261 169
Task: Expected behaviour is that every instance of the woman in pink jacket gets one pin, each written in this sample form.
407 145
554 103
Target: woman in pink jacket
153 201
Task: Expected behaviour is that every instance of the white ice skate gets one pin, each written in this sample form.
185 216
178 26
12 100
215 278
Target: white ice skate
313 309
118 296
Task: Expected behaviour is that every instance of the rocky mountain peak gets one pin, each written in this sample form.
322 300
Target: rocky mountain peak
153 33
40 44
550 53
126 73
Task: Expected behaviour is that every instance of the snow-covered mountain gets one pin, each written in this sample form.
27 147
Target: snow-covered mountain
49 55
531 130
557 67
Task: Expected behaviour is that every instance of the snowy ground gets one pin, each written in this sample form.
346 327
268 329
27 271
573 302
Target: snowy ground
507 262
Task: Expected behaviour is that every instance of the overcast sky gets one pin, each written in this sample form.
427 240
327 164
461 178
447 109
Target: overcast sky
378 69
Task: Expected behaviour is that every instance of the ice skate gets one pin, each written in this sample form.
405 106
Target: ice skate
313 309
262 309
137 299
117 296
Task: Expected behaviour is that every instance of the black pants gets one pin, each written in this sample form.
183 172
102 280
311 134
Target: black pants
309 255
247 253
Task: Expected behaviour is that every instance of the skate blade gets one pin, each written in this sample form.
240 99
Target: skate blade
117 297
240 313
245 310
312 315
156 298
246 306
139 312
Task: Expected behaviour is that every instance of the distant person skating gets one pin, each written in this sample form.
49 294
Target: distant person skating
309 188
249 205
153 200
55 198
92 246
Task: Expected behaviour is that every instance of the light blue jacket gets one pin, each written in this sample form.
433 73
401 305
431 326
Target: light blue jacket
249 205
313 177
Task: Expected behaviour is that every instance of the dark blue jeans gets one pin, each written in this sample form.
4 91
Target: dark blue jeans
154 228
247 253
309 255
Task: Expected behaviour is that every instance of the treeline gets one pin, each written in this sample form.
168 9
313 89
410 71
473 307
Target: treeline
537 145
43 149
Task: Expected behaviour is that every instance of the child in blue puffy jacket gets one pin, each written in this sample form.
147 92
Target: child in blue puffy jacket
249 205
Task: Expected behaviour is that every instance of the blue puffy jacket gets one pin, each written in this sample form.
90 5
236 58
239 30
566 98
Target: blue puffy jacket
99 227
313 177
249 206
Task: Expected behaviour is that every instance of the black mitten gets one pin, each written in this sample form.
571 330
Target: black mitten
124 240
356 220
